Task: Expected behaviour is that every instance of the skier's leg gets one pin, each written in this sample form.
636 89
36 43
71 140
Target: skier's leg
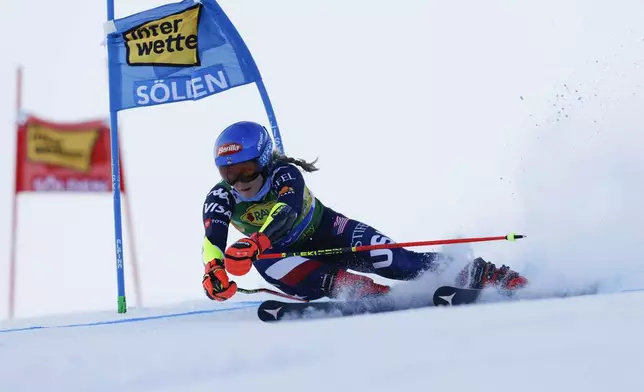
404 264
313 279
297 276
396 263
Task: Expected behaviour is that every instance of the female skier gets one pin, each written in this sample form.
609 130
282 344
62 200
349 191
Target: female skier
264 196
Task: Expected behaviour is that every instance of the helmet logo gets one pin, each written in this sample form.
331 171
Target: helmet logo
229 148
261 141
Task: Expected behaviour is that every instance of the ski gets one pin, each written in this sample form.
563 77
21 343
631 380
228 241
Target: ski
453 296
274 310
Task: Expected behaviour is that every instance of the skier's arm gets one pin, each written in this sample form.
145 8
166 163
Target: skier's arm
217 211
289 185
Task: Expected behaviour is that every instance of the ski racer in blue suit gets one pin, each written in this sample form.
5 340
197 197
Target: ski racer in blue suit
264 196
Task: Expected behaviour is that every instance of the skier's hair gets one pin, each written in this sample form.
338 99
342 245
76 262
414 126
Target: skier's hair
306 166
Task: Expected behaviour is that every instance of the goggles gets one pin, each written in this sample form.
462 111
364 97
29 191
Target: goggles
244 171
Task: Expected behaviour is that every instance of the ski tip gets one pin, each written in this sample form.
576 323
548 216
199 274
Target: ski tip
514 237
270 310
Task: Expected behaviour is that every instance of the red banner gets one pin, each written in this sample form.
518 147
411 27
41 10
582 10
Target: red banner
64 157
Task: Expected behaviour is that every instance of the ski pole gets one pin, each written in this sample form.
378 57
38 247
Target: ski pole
351 249
269 291
348 249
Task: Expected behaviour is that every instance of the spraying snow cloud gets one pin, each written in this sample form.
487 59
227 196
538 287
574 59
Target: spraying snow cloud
581 177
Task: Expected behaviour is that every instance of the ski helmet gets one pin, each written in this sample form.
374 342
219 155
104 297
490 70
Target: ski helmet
243 141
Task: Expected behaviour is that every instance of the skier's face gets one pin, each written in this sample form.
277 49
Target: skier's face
244 171
249 189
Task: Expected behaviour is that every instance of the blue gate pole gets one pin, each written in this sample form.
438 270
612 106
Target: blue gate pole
114 82
271 115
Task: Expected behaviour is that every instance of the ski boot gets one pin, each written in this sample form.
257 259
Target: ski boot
355 287
480 274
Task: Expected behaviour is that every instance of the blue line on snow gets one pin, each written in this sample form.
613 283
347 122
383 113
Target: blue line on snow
244 305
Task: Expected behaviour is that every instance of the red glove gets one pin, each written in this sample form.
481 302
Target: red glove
241 255
215 282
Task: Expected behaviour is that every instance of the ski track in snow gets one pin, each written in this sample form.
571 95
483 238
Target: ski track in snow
590 343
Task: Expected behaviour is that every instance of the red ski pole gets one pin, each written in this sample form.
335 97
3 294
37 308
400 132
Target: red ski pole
349 249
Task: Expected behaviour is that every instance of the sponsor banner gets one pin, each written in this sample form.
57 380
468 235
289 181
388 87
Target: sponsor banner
63 157
177 52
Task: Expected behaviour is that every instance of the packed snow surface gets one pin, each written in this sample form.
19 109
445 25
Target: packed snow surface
586 343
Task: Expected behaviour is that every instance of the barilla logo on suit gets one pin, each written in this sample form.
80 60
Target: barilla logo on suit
228 149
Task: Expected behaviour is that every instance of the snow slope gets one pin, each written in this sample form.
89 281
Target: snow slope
590 343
